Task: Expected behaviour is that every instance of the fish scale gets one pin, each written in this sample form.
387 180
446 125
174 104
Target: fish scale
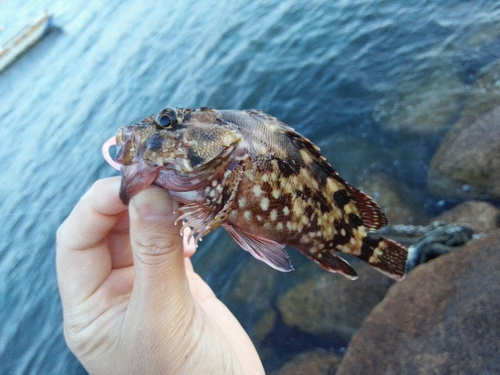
262 181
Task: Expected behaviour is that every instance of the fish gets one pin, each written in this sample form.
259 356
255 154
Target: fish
267 185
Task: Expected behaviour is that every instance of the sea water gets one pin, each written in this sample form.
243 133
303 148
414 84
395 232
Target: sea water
326 67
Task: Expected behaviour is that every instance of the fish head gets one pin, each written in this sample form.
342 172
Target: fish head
178 149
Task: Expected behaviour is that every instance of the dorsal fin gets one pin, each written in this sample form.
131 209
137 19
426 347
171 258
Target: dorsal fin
372 216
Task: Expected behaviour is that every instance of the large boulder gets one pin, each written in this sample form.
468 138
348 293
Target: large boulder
443 319
467 164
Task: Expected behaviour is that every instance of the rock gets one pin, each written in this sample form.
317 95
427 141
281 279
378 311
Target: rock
390 197
330 304
443 319
311 363
256 285
264 325
484 95
482 217
426 107
443 239
467 164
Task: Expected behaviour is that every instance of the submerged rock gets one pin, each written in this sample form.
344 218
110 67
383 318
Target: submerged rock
442 240
311 363
332 305
443 319
467 164
256 285
481 216
484 94
390 196
426 107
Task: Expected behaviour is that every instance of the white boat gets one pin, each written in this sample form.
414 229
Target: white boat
23 39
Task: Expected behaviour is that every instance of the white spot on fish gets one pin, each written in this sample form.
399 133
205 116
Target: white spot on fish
249 175
247 215
257 190
274 215
264 204
242 202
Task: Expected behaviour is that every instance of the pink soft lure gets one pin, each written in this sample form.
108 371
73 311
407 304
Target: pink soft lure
105 152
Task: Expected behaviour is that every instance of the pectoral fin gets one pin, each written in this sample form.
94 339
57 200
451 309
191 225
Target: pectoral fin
204 217
268 251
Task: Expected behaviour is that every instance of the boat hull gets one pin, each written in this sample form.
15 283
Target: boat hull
24 39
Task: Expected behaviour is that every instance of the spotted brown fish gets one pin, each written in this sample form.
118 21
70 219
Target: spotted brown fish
266 184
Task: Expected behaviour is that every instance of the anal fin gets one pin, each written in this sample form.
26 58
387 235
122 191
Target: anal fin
268 251
333 263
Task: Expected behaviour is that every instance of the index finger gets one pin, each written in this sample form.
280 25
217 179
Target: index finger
93 216
83 259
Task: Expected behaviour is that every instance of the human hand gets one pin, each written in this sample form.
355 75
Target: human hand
132 303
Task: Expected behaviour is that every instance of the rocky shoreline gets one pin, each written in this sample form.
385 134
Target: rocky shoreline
442 319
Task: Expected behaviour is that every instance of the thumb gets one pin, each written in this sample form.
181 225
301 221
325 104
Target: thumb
160 280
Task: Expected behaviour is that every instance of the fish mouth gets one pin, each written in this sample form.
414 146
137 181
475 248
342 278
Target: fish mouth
136 173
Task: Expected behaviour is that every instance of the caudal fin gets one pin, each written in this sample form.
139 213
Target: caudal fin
386 256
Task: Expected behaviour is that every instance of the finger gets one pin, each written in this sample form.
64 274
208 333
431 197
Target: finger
83 261
160 279
93 216
118 242
189 247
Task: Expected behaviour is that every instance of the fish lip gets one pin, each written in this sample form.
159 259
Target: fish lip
136 173
136 177
126 145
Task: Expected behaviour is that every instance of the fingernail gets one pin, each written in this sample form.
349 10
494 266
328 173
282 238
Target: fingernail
154 204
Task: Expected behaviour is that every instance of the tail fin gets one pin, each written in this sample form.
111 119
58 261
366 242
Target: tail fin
386 256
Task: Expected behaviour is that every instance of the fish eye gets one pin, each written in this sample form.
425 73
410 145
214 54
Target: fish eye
166 118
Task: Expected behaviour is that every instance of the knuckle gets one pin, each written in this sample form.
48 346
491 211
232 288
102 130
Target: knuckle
155 244
78 339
